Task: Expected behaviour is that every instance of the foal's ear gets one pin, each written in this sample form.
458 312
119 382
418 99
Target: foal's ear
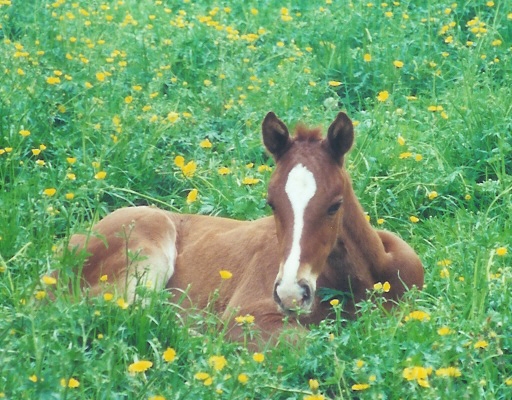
340 136
275 135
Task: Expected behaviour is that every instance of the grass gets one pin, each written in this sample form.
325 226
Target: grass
99 98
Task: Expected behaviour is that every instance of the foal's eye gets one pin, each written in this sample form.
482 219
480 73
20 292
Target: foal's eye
333 209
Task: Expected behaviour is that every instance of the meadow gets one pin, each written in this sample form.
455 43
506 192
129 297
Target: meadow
106 104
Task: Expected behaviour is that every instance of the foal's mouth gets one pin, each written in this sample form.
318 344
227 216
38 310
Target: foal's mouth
300 303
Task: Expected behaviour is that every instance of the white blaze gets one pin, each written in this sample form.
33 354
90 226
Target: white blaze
300 188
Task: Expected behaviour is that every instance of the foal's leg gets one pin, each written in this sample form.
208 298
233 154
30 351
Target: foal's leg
403 268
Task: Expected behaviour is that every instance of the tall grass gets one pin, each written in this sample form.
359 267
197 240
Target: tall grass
99 100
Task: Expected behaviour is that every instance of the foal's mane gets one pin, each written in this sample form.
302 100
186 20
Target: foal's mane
305 134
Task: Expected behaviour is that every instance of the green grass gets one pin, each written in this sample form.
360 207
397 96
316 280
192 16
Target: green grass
126 86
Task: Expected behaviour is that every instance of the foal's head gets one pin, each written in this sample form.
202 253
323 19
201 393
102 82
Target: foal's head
306 195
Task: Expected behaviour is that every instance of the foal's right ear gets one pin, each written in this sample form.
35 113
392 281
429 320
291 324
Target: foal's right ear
275 135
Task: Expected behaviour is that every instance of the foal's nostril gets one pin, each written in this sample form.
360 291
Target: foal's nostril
306 297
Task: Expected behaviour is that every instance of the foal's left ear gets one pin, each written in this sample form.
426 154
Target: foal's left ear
275 135
340 137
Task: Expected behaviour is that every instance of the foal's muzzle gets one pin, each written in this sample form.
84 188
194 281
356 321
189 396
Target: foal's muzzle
294 297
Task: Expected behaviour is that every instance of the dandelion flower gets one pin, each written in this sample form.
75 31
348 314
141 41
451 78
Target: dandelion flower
189 169
334 302
383 96
258 357
432 195
250 181
108 296
398 64
367 57
71 383
50 192
444 330
49 280
53 80
33 378
360 386
100 175
501 251
481 344
418 315
40 295
205 144
225 274
217 362
192 196
313 385
450 372
334 83
169 355
243 378
401 140
224 171
414 219
386 287
122 303
140 366
24 132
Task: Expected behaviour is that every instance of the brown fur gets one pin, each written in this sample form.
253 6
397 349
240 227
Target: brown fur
345 252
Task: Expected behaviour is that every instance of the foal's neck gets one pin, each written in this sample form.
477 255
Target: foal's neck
361 240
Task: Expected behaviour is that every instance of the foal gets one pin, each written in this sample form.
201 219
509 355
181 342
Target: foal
318 237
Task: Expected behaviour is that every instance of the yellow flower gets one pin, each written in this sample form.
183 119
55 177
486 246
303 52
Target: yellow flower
189 169
100 76
71 383
100 175
418 157
24 132
380 221
103 278
69 196
406 154
334 83
418 315
36 152
71 160
448 372
444 330
250 181
140 366
501 251
128 99
207 82
179 161
432 195
444 273
383 96
414 219
419 374
49 280
398 64
360 386
481 344
401 140
444 263
367 57
169 355
202 376
386 287
264 168
108 296
314 397
508 381
313 385
122 303
243 379
50 192
258 357
334 302
217 362
40 295
205 144
172 117
33 378
225 274
192 196
53 80
157 397
245 319
224 171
